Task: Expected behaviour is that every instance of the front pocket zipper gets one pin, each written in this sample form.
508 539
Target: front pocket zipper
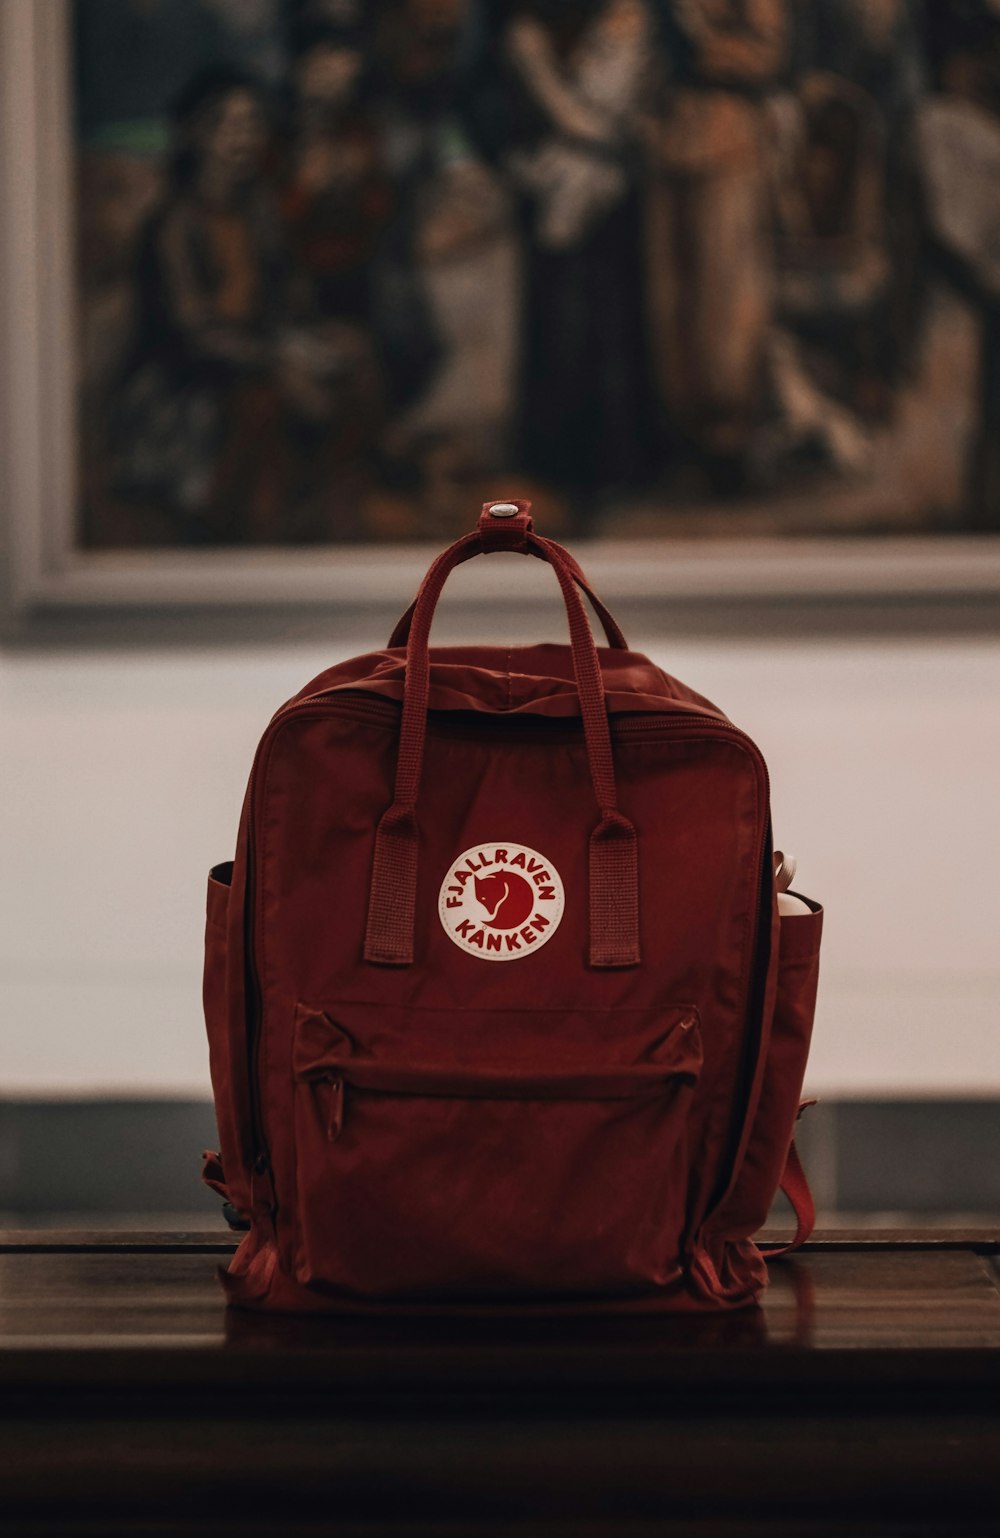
499 1084
486 1179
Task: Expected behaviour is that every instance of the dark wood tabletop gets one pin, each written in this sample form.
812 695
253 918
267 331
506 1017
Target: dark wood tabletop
862 1397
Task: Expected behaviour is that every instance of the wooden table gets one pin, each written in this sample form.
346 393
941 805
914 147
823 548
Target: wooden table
863 1398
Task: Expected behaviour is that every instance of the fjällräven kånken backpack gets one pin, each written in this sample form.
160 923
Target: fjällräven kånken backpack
499 1005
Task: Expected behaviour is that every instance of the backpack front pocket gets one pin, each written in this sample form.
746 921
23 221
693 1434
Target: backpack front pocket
428 1178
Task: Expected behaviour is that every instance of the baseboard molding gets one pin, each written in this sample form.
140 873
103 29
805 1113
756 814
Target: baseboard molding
140 1160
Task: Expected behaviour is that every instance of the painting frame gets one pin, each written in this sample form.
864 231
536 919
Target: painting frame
53 588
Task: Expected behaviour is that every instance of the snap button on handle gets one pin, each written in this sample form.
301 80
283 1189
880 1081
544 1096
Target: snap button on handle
505 524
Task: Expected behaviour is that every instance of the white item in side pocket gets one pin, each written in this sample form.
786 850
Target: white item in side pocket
784 873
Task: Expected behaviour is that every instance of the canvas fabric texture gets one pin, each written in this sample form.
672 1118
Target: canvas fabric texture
501 1012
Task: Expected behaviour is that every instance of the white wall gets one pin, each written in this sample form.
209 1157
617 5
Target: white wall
121 778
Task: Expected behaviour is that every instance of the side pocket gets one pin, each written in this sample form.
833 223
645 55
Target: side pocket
746 1208
214 979
214 982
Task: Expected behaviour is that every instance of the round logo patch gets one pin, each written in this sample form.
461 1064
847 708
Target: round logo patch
501 901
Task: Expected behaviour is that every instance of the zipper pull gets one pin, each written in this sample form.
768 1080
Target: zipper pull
335 1108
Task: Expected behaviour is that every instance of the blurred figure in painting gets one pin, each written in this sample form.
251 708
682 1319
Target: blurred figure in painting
337 200
216 373
453 254
846 206
709 259
555 106
959 132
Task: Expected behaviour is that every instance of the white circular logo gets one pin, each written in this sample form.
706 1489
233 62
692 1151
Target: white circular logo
501 901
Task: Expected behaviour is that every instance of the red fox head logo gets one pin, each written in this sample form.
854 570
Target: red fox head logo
500 901
507 898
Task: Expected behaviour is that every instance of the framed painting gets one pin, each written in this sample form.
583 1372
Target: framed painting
289 287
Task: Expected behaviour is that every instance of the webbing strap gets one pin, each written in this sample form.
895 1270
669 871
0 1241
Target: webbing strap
613 849
796 1187
612 630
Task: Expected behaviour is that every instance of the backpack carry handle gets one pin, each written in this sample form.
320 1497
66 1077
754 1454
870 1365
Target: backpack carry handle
613 853
612 630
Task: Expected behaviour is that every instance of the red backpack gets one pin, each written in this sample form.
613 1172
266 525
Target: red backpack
499 1006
